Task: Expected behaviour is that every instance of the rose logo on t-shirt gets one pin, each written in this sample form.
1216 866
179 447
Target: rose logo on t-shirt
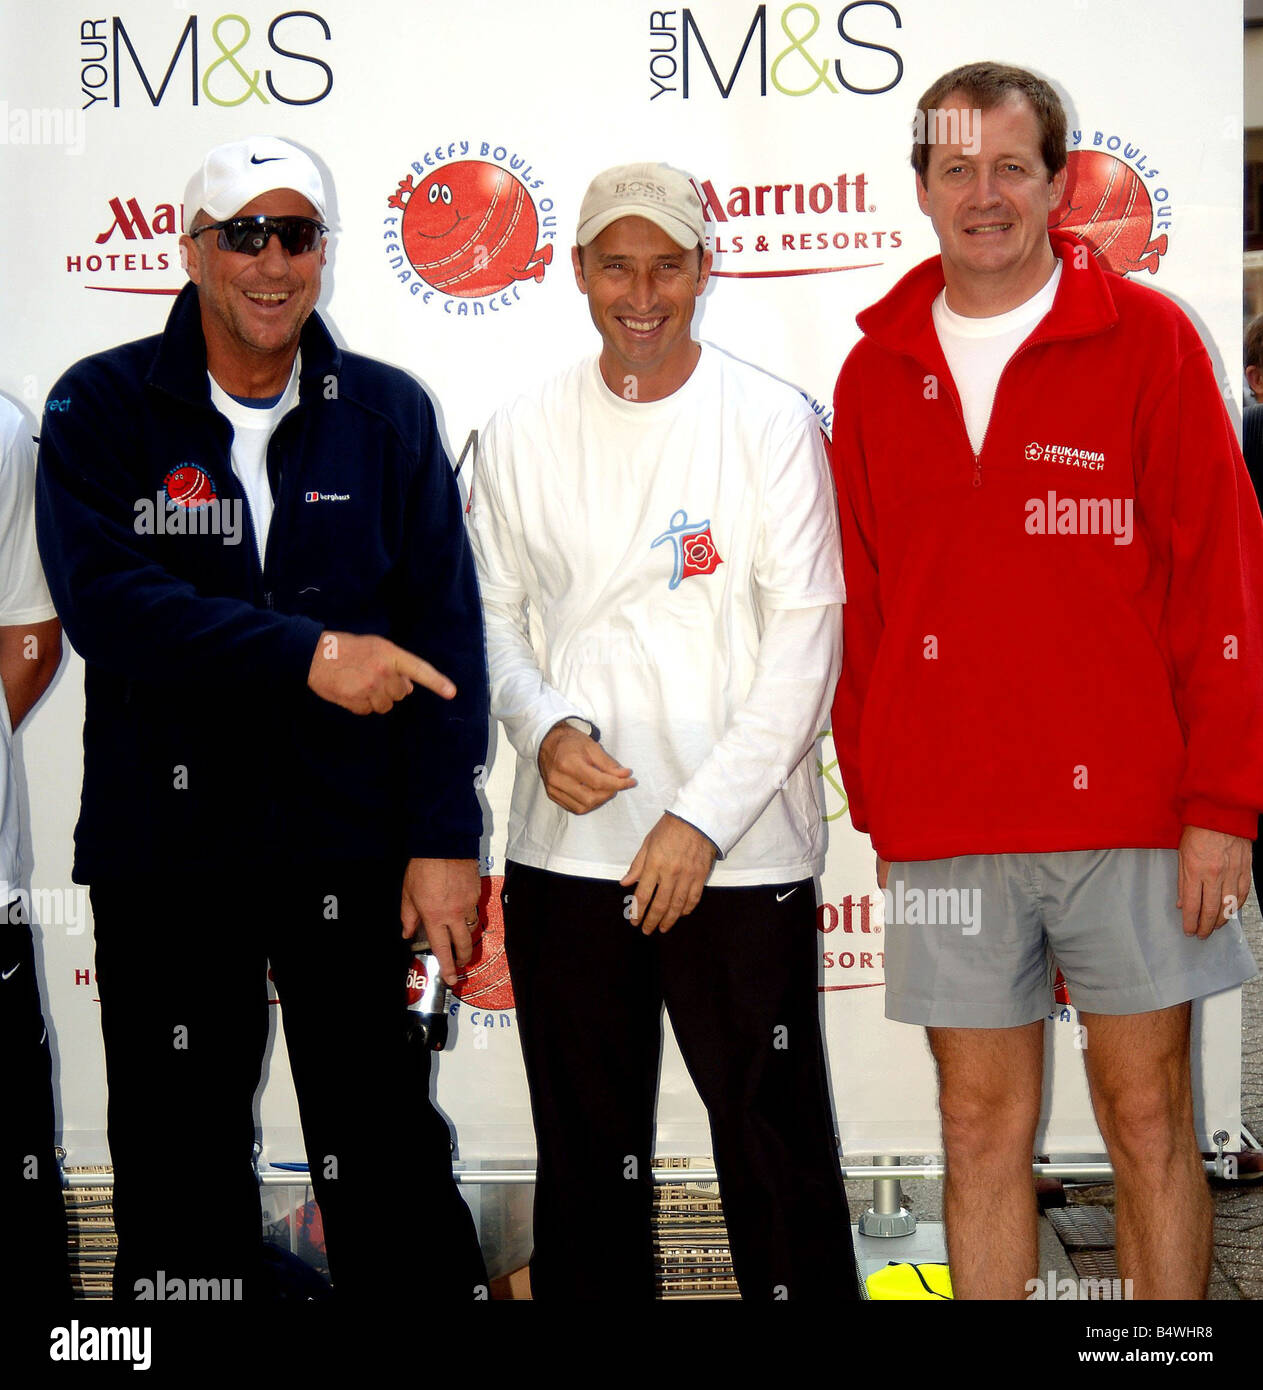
700 555
693 547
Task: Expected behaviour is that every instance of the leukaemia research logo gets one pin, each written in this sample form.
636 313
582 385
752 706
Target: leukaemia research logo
1051 515
469 228
1066 454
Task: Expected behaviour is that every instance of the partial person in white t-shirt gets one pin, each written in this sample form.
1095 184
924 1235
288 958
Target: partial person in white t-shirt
33 1262
658 554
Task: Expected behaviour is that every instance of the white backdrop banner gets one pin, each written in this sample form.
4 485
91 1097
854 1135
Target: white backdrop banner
795 122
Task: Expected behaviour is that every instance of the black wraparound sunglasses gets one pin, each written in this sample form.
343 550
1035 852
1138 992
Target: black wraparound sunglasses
250 235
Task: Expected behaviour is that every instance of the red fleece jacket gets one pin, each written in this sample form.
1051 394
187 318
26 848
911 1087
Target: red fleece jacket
1011 680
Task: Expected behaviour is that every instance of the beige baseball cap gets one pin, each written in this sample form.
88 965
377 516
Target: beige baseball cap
232 175
656 192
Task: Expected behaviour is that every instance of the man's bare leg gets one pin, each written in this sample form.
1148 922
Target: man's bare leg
1138 1071
989 1097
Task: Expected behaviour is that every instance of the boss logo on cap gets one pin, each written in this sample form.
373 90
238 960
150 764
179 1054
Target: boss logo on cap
636 189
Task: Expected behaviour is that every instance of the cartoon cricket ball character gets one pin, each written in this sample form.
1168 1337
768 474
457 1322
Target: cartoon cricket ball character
485 983
470 229
189 486
1106 203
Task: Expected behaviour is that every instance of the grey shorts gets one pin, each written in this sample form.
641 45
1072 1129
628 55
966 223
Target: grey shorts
975 941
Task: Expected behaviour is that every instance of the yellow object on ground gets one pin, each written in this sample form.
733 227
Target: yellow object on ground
902 1280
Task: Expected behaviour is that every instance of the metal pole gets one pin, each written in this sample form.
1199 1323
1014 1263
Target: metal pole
887 1216
878 1170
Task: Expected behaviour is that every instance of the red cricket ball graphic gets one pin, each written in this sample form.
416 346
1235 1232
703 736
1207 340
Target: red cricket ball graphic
471 229
1106 203
189 486
485 982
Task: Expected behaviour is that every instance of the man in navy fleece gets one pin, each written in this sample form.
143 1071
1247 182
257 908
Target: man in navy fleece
249 535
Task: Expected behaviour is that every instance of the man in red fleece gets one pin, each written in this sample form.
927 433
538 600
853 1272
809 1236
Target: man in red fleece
1048 713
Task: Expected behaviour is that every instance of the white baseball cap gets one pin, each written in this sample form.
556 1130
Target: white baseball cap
232 175
662 195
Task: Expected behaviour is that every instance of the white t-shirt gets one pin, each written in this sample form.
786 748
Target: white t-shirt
978 350
252 427
669 571
23 599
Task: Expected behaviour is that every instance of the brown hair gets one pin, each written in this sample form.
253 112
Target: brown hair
985 85
1254 343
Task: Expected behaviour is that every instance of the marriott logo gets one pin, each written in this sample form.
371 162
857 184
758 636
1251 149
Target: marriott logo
130 220
130 243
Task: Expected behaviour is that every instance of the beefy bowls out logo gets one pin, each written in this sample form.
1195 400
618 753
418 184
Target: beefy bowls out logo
484 983
188 486
1116 201
469 228
483 988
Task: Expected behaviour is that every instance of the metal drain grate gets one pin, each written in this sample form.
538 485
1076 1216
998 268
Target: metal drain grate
691 1253
90 1231
1083 1228
1101 1267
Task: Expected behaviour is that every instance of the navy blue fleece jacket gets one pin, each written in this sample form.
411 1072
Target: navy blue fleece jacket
202 742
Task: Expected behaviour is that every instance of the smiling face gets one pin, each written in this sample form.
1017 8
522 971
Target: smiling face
254 307
989 201
435 217
642 289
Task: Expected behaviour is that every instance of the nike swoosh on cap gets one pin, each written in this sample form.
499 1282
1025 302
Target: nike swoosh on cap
267 159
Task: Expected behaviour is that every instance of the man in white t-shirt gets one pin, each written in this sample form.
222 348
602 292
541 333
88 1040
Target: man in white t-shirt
33 1263
659 562
1051 558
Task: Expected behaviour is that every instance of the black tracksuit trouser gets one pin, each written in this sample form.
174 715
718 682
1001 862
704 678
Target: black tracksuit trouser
182 976
33 1253
738 978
